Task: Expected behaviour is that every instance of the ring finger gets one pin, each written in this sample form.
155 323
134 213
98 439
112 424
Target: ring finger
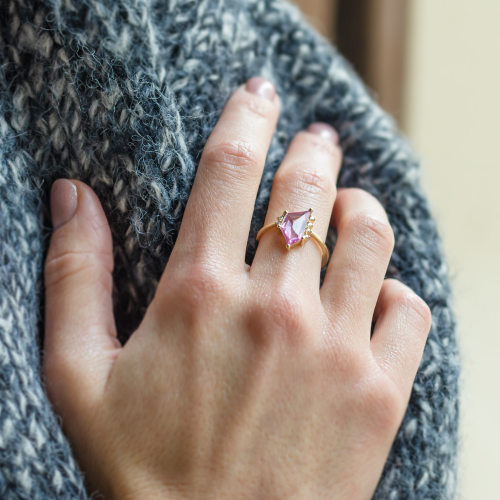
306 179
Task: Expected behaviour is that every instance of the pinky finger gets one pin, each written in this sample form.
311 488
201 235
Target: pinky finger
402 323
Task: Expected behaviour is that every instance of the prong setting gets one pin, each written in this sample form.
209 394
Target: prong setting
309 227
296 229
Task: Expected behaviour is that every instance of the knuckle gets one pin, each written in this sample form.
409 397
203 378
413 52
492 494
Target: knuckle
283 316
375 233
202 282
382 400
66 265
199 289
300 179
231 159
319 144
412 305
257 106
372 394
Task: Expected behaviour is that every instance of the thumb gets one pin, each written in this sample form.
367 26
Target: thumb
80 333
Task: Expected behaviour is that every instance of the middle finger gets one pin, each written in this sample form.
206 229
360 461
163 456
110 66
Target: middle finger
306 179
219 210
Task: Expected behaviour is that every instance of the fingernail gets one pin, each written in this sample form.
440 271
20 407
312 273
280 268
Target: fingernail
63 202
261 86
325 131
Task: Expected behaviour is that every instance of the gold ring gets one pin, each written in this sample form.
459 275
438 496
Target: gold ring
296 228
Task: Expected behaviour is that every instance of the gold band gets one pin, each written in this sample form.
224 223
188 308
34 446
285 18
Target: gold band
302 239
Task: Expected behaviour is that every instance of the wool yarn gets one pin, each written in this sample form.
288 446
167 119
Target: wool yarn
122 94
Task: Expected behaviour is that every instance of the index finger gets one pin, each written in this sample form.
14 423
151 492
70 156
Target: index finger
219 211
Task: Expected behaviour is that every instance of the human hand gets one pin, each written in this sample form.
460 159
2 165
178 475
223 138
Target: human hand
241 382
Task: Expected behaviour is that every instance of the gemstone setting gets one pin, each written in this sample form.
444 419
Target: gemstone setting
296 227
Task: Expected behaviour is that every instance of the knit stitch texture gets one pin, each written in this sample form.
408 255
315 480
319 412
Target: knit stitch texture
122 94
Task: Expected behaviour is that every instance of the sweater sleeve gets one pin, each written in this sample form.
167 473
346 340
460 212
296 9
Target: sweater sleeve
35 461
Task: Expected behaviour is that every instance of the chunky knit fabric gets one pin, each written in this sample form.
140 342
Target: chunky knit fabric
122 94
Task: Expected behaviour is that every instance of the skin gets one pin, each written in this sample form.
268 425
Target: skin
241 382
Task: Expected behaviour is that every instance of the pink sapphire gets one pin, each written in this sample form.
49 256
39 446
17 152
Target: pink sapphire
294 225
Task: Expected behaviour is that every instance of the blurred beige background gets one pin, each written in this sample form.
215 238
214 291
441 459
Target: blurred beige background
452 113
435 64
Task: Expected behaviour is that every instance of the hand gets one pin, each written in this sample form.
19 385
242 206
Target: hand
241 382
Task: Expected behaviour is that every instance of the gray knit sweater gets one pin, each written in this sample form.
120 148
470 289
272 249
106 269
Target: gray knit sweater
122 94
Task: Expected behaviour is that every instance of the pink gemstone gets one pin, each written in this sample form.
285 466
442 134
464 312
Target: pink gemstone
294 225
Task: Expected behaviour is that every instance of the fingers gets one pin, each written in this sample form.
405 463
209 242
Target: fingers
403 321
218 214
80 336
359 262
306 179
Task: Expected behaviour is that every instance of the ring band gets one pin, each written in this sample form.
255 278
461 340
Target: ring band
296 228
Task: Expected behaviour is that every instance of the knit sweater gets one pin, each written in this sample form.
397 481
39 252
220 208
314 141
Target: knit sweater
122 94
